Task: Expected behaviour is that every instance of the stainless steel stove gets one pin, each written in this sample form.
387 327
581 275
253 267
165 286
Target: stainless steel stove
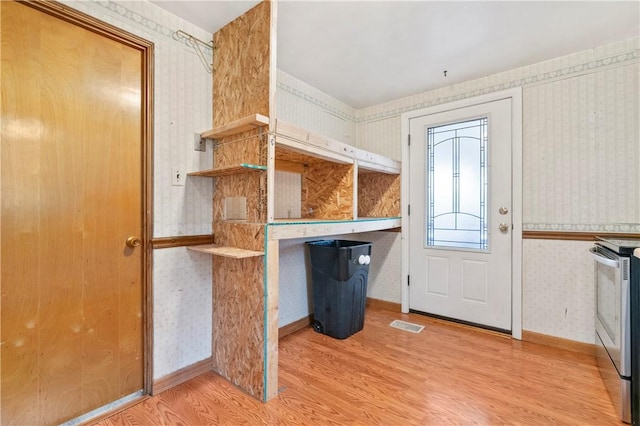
612 259
623 246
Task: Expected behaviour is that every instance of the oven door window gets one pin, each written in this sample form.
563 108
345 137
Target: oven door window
608 301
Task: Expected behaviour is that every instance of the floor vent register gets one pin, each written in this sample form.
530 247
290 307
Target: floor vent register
407 326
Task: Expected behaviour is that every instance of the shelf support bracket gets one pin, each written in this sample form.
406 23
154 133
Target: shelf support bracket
196 43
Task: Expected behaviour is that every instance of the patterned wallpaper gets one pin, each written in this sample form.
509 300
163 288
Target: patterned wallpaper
305 106
182 315
581 151
288 195
559 290
295 294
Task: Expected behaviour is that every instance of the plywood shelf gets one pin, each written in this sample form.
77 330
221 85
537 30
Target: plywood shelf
309 146
303 228
230 170
242 125
372 163
224 251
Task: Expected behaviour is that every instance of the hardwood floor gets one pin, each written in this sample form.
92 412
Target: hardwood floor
447 374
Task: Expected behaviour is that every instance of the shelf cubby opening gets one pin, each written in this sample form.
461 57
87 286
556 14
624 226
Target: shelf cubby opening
325 188
378 194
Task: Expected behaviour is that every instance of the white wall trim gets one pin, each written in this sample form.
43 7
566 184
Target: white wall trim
515 94
516 199
404 207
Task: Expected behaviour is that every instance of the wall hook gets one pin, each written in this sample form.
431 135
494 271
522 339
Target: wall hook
195 43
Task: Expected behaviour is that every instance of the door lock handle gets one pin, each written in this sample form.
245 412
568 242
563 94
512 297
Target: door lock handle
503 227
503 210
133 242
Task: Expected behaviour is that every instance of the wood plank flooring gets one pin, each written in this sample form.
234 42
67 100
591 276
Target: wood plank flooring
447 374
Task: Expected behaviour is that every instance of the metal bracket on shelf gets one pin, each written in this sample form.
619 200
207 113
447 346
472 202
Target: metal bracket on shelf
199 143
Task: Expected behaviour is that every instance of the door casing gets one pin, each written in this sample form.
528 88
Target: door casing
146 49
516 254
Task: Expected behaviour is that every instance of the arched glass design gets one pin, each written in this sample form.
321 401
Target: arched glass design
456 210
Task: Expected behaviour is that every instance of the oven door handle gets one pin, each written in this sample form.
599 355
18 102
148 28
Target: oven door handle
604 260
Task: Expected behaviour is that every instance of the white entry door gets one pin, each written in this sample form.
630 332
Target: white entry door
460 222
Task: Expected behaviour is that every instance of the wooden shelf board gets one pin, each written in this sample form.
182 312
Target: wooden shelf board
365 167
232 252
296 139
242 125
300 228
231 170
309 152
376 163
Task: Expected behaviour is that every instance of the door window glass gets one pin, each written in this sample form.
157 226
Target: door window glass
456 210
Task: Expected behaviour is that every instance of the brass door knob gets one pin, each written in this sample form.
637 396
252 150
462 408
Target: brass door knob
504 227
133 242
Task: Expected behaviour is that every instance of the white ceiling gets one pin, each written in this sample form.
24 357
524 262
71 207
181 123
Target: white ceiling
368 52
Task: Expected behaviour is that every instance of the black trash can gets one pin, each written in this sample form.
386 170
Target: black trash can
339 271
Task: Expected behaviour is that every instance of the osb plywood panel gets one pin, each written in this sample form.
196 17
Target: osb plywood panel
249 147
226 251
238 322
252 186
250 122
289 166
230 170
248 236
378 195
296 157
241 62
327 191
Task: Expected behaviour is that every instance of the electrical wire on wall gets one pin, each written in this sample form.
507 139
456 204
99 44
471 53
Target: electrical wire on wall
197 44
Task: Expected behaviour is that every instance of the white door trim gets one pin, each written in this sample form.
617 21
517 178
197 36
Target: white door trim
516 151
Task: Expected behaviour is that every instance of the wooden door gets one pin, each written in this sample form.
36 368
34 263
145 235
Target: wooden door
72 193
460 223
